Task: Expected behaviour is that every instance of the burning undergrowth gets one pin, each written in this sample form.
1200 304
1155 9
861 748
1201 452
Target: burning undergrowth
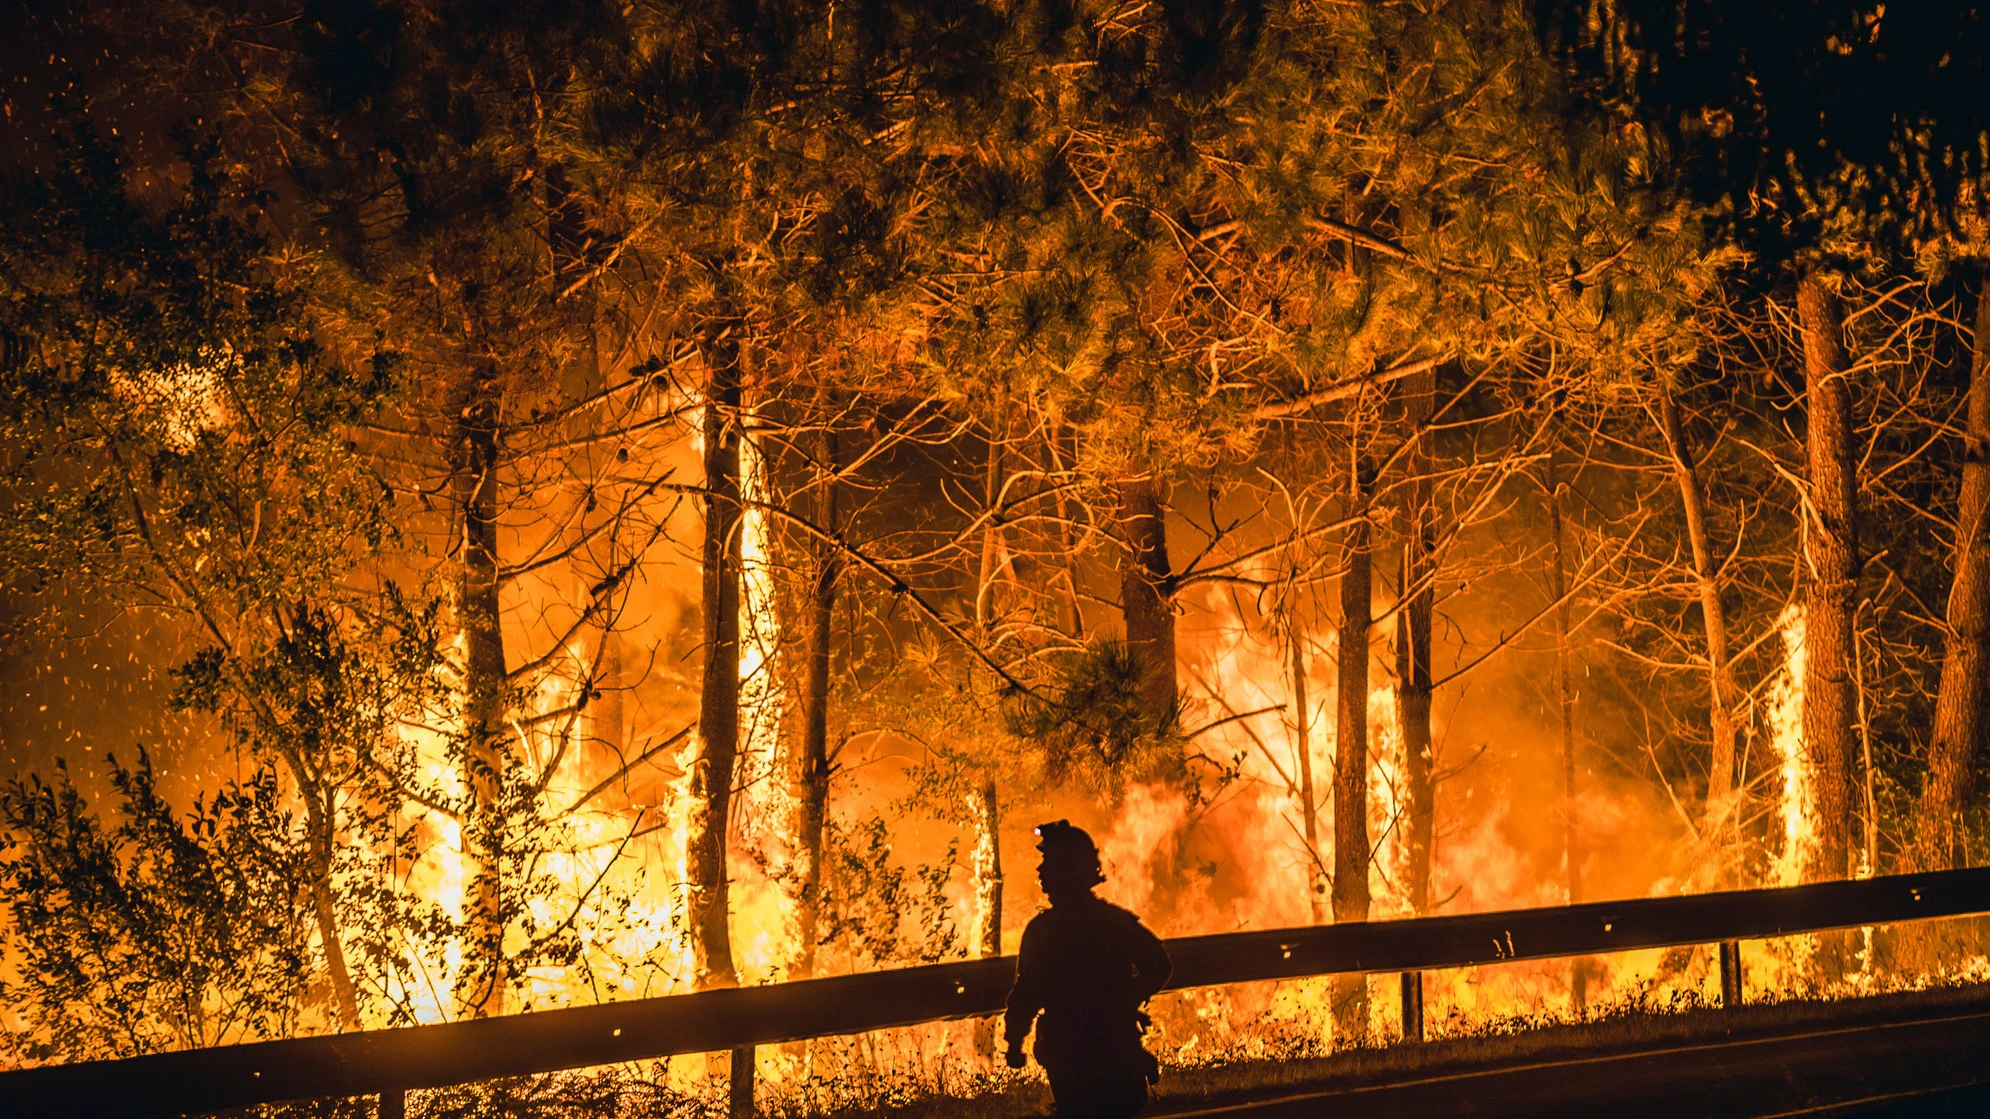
592 897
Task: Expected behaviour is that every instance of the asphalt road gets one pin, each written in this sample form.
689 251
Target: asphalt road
1937 1065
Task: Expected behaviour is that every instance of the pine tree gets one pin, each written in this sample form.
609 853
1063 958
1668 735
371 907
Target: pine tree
1833 136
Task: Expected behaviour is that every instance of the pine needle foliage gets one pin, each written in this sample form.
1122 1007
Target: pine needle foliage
1094 724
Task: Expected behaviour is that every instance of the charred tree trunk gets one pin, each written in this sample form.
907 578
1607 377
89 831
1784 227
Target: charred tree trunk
809 771
1147 591
985 940
987 812
606 715
1070 614
481 991
318 818
983 809
994 542
1830 707
1959 703
1413 633
1719 812
1572 854
1309 809
569 248
718 704
1351 851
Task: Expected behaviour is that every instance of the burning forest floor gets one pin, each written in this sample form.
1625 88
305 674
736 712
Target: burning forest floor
1625 1029
656 1090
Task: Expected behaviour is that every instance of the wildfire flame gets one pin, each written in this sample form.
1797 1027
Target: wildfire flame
1234 856
1796 802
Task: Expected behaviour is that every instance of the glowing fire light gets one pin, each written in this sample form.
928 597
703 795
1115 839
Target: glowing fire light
1234 861
1797 803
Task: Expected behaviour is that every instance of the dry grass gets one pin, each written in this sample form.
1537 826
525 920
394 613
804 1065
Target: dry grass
1629 1028
635 1091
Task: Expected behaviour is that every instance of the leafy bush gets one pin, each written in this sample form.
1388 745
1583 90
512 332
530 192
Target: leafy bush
153 930
881 915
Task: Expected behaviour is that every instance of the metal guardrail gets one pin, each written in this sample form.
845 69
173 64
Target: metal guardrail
389 1062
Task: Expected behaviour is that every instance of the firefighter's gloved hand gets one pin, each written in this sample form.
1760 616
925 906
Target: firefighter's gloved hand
1015 1057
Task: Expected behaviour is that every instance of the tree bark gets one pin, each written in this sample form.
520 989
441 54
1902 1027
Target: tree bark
1718 814
318 818
809 770
984 810
1351 851
1413 634
994 542
1070 612
1147 590
1830 708
718 704
606 713
1302 748
481 991
1572 854
1959 702
603 745
985 939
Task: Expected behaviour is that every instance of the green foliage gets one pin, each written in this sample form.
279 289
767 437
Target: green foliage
1163 247
874 912
1094 725
1835 127
180 429
327 691
1139 234
154 930
180 440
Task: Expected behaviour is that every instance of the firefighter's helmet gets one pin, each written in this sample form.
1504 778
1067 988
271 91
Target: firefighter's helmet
1069 854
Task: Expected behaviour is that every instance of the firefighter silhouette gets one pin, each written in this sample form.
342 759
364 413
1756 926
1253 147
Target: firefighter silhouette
1087 966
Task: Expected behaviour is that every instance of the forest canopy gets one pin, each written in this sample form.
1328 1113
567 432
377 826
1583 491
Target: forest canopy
570 501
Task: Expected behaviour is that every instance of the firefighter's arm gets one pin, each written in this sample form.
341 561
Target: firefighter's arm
1025 998
1150 961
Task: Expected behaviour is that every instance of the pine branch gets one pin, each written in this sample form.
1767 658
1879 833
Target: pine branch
1288 409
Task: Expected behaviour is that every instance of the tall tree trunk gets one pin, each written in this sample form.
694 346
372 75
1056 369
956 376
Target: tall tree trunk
1572 854
1830 706
1719 813
1350 1000
1959 702
809 770
603 745
1070 613
994 542
987 810
985 940
607 716
319 820
1413 633
481 991
718 704
1302 744
1146 590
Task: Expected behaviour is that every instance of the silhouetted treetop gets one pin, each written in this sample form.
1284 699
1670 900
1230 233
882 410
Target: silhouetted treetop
1806 119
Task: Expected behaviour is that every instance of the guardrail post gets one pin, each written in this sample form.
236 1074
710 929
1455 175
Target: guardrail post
1730 972
741 1083
1413 1006
393 1104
